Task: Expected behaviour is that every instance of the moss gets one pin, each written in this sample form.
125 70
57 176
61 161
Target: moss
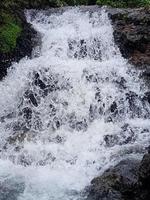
10 30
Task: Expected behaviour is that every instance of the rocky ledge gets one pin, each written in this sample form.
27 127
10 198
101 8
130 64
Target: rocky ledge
128 180
132 34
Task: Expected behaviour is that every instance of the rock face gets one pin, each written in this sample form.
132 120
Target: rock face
132 34
116 182
129 180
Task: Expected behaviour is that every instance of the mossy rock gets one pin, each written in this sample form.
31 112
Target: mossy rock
10 30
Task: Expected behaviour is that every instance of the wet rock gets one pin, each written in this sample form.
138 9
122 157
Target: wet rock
27 113
113 107
127 135
121 82
111 140
133 103
147 97
31 97
98 96
116 183
56 123
144 171
39 82
131 97
146 73
11 188
132 33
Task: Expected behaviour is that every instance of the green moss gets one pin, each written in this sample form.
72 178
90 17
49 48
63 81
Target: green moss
9 32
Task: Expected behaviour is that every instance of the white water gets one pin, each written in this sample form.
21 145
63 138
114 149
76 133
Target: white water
61 145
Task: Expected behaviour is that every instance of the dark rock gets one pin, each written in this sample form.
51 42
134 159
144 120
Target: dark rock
39 82
27 113
111 140
31 97
144 171
128 180
126 135
121 82
132 33
113 107
116 183
147 97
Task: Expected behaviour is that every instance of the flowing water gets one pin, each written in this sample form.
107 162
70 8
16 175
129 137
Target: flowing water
73 110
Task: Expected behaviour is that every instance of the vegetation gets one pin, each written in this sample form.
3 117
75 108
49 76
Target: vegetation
10 29
124 3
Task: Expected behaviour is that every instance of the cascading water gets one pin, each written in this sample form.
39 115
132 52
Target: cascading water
72 111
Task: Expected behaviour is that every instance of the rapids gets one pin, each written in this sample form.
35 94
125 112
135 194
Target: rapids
73 110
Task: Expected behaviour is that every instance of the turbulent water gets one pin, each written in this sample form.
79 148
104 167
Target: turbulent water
74 109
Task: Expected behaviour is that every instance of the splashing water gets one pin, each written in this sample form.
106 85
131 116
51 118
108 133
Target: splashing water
72 111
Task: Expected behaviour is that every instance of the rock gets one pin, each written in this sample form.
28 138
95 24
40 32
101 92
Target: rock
147 97
142 191
31 97
27 113
127 135
116 183
144 171
113 107
111 140
24 43
11 188
132 33
128 180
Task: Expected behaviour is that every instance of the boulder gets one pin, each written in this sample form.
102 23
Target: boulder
132 33
144 171
116 183
128 180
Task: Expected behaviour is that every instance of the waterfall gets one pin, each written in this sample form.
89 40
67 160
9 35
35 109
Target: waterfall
70 112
